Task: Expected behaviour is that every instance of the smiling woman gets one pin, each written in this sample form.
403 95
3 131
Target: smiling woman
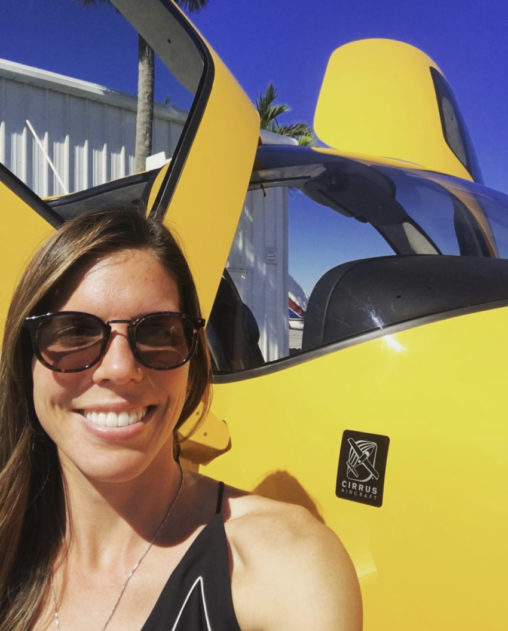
117 399
104 357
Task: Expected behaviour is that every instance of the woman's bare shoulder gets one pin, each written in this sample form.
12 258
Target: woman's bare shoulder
253 515
293 563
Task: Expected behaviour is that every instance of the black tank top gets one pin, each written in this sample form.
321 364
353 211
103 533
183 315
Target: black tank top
197 595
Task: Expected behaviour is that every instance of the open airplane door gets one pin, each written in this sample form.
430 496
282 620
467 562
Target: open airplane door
198 192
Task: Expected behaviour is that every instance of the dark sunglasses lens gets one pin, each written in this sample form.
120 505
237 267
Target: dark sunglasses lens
68 342
163 341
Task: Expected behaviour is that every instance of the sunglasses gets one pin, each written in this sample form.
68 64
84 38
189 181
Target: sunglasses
71 341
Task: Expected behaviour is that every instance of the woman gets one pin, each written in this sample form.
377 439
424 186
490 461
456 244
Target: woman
104 356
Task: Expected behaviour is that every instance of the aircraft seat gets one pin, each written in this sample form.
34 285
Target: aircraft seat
370 294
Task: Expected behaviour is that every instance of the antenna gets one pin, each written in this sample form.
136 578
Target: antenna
45 154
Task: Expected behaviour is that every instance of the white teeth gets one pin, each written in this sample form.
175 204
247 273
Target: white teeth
114 419
123 419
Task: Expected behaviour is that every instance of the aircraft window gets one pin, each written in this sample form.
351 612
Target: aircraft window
326 252
128 192
70 122
454 130
487 208
284 243
442 216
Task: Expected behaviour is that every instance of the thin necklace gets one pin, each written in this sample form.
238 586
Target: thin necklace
134 567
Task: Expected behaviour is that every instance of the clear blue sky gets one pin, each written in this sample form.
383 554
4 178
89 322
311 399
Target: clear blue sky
288 42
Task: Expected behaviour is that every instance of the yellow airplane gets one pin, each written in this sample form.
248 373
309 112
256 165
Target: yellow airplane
357 301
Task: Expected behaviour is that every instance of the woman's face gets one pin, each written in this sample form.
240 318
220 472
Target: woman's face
81 411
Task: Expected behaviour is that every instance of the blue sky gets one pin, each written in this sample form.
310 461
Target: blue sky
288 42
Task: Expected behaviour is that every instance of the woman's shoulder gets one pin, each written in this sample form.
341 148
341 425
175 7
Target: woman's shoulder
264 523
272 522
267 528
291 563
250 515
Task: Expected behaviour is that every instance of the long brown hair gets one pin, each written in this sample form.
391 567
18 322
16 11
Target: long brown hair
32 507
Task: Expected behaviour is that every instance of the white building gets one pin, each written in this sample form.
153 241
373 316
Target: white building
86 131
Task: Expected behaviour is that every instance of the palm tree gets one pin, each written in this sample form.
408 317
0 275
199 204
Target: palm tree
146 76
269 111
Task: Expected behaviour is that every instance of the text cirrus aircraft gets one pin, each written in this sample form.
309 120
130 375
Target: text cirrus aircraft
376 396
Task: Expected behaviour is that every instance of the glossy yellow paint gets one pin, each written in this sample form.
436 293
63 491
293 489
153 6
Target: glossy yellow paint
201 442
207 202
22 231
378 99
429 557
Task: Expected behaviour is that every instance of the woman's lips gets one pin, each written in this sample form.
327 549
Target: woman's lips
124 418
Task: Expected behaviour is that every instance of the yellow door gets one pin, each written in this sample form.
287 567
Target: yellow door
200 195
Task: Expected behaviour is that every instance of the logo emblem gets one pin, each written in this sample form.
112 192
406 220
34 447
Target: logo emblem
362 464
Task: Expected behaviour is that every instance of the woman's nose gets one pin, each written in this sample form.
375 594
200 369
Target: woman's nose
118 363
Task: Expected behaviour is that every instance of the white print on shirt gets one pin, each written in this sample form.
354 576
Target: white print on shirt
198 581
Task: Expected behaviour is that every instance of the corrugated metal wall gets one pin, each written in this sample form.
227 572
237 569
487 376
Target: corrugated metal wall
86 130
258 265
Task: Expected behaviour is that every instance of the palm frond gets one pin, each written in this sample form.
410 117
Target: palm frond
306 140
294 130
267 110
191 5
